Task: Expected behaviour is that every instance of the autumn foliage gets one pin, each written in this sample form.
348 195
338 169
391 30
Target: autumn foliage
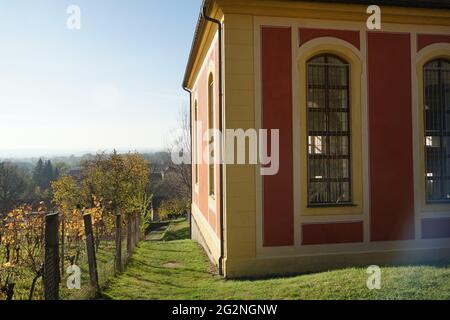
107 184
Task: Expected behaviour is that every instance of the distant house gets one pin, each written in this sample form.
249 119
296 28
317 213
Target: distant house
364 120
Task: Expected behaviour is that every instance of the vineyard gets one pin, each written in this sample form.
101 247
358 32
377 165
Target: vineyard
99 218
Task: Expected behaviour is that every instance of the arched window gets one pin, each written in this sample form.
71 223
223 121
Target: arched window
211 170
437 130
329 154
196 145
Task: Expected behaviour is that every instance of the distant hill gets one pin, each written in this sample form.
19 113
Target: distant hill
26 166
71 161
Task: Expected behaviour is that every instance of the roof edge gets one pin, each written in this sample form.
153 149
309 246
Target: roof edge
201 23
429 4
426 4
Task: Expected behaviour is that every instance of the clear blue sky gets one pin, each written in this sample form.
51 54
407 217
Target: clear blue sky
116 83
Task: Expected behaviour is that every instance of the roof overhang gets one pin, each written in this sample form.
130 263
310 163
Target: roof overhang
200 28
208 4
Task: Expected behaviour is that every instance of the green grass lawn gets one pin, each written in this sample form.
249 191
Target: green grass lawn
179 270
177 230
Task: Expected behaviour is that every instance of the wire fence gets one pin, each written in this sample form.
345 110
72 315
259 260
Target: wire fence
55 256
89 261
22 251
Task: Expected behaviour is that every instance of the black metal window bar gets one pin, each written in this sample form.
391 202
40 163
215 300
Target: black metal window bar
437 130
329 134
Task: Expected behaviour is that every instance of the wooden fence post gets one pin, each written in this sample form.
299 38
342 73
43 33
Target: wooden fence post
129 235
90 246
132 231
51 259
136 230
139 224
118 256
63 235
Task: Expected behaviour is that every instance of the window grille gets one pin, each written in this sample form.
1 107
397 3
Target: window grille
329 132
437 130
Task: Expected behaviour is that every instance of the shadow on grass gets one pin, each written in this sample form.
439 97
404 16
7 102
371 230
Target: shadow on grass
179 234
157 227
435 265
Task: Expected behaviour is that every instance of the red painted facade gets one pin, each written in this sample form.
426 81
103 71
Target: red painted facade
278 198
332 233
424 40
392 212
390 136
307 34
361 144
200 96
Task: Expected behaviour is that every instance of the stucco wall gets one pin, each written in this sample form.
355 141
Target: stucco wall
313 239
239 189
206 208
247 221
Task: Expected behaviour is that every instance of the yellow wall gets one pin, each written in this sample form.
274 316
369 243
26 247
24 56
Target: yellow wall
240 193
330 11
242 188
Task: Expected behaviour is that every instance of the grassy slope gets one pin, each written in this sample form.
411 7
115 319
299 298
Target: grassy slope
179 270
178 230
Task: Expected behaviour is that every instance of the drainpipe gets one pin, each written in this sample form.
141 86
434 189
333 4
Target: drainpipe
222 242
192 145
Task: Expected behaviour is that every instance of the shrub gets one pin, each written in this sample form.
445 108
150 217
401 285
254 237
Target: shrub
172 209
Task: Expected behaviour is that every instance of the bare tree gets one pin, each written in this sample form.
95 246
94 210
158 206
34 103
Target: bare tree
182 143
